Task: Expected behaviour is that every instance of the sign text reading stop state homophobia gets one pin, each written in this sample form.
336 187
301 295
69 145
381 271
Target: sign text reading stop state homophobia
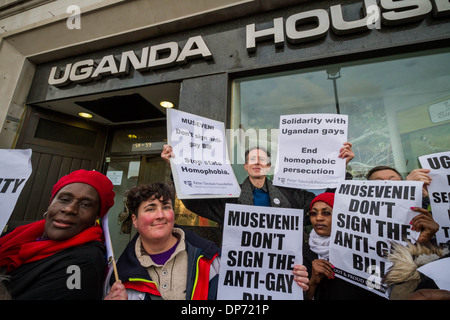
260 247
200 166
367 217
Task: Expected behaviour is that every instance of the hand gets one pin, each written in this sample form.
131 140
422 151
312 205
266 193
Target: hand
421 175
301 276
117 292
321 268
167 153
346 152
425 223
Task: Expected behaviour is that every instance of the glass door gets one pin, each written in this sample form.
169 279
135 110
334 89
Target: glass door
124 173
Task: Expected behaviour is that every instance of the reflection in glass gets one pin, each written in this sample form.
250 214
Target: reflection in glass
396 107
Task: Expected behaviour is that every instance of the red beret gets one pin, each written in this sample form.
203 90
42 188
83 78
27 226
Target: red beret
327 197
99 181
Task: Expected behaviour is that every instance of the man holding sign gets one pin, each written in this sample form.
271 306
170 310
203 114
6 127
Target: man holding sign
256 189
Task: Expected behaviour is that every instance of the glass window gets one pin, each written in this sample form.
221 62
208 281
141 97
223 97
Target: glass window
64 133
139 138
398 108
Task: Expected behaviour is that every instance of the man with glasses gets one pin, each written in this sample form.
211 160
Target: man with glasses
256 189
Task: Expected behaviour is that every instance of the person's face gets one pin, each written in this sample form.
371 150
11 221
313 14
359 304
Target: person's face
155 219
74 209
385 175
320 216
257 163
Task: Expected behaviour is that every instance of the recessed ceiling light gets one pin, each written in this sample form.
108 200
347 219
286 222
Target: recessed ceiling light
85 115
166 104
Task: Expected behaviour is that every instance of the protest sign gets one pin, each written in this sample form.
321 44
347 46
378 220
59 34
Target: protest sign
260 247
201 168
368 216
308 151
438 272
439 191
15 169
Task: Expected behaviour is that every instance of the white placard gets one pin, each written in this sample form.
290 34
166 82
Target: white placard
308 152
439 191
115 177
201 167
438 271
368 216
260 247
440 111
15 169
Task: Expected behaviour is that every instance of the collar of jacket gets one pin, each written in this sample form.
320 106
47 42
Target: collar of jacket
277 198
407 258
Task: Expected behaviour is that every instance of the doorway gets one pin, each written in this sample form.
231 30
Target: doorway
60 144
127 173
133 158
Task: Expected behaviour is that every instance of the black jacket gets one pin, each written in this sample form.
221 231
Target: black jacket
214 209
337 288
56 277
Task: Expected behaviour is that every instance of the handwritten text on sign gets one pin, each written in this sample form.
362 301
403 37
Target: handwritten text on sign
201 167
260 247
367 217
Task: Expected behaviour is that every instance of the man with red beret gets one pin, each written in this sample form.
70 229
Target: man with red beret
61 256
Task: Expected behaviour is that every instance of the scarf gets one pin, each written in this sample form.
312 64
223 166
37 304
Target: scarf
319 244
21 245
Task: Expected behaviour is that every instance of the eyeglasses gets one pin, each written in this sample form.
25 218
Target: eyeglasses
323 213
253 160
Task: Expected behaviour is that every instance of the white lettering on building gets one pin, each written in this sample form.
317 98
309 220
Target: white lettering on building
158 56
317 22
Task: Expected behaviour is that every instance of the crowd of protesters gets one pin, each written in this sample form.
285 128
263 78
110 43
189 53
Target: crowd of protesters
166 261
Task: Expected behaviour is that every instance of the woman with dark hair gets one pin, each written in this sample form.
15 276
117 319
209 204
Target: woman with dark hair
162 261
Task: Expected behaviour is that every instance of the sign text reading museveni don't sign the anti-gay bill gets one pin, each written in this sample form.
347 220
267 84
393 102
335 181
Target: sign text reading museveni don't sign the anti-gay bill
260 247
368 216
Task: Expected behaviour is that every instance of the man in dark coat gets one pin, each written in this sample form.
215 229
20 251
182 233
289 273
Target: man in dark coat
256 189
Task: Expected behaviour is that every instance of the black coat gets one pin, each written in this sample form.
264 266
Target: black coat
54 278
337 288
214 209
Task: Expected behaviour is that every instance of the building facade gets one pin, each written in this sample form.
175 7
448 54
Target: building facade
386 64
